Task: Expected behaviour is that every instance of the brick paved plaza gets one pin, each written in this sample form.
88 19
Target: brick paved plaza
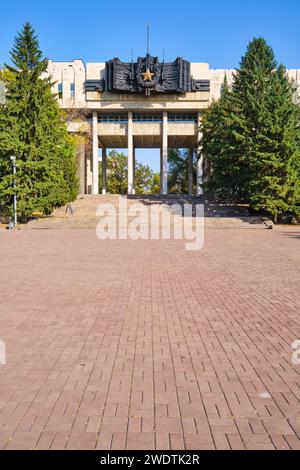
141 344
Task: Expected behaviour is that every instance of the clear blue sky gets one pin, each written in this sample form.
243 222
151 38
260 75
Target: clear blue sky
215 31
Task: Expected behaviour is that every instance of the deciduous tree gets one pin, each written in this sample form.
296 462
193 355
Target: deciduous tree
146 180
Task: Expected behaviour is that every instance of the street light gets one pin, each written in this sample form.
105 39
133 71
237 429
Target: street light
13 160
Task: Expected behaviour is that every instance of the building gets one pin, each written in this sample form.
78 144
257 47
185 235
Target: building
143 104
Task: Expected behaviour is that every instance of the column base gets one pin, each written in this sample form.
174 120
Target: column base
200 177
103 192
190 172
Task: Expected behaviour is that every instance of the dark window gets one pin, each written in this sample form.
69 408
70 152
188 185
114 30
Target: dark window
147 118
182 118
60 91
72 90
120 118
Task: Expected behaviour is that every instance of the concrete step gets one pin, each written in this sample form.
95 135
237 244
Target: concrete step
87 205
82 212
91 222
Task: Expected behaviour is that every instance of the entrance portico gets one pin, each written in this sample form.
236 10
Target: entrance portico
142 104
132 130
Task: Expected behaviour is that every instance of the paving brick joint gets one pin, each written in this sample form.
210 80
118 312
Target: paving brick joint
143 345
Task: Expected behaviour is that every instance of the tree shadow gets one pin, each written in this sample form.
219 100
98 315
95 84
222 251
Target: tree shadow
176 202
290 234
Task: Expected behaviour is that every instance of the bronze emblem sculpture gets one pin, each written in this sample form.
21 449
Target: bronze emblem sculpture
147 76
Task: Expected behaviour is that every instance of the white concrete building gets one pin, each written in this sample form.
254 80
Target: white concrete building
146 104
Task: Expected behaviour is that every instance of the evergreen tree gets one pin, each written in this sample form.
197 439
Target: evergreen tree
227 174
276 164
252 87
251 135
32 129
178 171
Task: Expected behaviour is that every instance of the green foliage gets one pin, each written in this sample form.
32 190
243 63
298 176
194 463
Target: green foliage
116 173
6 75
251 136
178 171
276 164
32 129
154 183
222 148
146 181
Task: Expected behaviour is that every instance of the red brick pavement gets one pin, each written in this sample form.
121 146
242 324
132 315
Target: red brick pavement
141 344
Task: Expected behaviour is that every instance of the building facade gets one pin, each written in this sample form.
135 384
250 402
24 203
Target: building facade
142 104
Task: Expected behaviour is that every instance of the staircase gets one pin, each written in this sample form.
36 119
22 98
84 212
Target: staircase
81 214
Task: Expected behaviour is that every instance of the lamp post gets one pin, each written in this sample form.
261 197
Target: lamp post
13 160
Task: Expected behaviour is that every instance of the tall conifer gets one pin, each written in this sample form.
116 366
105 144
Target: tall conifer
226 179
275 165
251 135
32 129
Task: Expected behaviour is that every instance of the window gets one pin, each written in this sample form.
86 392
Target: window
182 118
72 90
60 91
117 118
147 118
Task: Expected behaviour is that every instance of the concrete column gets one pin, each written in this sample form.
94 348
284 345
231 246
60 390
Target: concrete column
160 169
164 156
190 171
130 155
200 176
95 186
89 173
134 170
103 170
200 158
81 167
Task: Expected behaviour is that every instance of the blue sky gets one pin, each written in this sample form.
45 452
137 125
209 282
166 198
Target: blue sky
216 32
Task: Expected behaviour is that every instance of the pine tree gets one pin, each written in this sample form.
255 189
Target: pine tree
251 90
227 176
32 129
276 165
251 135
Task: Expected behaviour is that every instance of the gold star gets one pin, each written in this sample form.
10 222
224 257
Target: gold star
148 76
